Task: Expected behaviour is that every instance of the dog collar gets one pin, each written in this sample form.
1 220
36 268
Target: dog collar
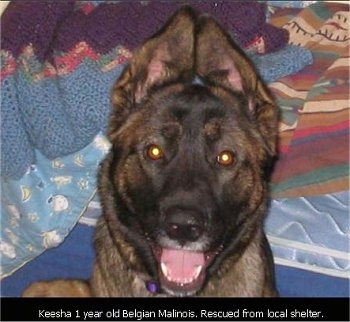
152 287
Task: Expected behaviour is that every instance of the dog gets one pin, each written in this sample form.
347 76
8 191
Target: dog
184 188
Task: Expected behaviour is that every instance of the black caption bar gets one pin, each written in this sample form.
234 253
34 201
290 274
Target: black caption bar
175 309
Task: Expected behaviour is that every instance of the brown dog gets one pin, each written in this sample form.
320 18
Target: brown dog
184 188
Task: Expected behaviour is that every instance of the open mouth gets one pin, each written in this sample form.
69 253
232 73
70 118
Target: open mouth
183 272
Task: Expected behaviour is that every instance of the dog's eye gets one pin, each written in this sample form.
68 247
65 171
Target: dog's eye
154 152
225 158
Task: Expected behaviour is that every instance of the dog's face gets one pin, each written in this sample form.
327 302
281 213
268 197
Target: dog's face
193 131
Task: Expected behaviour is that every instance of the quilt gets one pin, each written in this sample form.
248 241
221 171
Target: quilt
314 137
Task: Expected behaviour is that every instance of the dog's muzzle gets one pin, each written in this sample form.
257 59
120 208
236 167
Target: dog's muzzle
181 251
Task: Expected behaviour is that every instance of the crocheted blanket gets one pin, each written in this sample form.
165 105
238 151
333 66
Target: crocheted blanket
60 60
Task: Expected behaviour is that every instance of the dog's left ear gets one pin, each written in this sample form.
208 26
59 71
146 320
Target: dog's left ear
220 62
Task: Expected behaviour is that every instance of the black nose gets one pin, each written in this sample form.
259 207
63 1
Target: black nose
183 225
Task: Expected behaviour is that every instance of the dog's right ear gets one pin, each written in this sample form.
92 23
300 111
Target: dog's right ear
165 57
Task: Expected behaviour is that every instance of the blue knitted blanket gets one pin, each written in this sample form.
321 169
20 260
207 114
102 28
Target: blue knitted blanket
60 61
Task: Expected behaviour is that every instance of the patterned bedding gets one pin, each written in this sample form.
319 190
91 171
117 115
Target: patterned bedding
311 233
41 206
314 136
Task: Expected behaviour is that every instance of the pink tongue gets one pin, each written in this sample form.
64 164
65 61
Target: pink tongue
181 265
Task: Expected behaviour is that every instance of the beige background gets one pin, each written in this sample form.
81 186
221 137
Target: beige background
3 5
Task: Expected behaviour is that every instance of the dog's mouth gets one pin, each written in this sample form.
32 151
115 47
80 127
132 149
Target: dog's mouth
183 272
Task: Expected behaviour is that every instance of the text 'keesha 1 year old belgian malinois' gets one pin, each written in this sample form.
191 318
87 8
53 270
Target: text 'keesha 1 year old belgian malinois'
184 188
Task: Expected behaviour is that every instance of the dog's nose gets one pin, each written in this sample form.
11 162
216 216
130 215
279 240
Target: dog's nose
183 226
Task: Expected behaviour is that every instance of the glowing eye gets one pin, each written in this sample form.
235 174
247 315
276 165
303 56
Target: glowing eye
225 158
154 152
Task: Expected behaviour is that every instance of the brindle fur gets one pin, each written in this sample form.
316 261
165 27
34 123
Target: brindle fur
158 78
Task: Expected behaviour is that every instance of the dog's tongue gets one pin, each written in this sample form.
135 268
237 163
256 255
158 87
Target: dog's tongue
181 266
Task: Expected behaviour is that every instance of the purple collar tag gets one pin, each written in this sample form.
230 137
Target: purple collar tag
152 287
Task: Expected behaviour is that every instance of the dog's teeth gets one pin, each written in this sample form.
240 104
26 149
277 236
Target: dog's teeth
197 272
180 281
164 269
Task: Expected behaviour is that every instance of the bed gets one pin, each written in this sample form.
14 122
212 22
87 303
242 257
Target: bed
58 65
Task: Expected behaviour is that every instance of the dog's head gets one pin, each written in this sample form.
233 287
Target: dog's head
193 131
